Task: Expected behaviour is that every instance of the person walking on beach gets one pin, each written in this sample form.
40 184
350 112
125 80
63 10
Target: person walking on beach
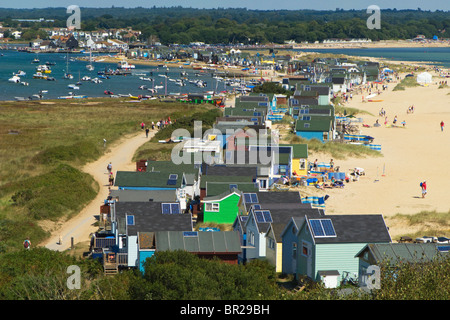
442 125
111 179
27 244
109 167
423 185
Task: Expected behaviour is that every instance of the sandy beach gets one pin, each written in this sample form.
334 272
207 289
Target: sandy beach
375 44
411 154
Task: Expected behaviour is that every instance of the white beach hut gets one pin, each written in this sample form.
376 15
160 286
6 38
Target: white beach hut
424 77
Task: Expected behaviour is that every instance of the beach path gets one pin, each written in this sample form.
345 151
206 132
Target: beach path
81 226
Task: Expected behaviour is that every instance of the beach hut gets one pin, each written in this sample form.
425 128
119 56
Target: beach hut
424 77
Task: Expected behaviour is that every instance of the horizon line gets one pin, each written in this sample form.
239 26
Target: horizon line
242 8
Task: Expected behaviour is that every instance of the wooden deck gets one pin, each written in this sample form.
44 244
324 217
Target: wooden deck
112 261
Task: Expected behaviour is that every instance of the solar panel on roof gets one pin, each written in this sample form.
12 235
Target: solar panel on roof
262 216
190 234
171 182
254 197
173 177
130 220
328 227
317 228
259 216
174 208
322 228
247 197
267 216
233 186
165 208
256 206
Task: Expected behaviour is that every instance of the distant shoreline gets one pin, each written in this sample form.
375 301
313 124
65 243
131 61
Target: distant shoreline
376 44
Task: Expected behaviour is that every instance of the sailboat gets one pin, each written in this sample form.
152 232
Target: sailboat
90 67
67 74
36 60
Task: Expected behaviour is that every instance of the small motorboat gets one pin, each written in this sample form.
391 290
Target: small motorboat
15 79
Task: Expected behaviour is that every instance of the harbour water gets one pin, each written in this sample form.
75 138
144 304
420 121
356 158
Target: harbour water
12 61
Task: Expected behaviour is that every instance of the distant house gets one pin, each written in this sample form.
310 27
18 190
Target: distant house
71 43
299 159
118 44
131 180
144 195
223 245
16 34
315 127
131 218
315 246
264 216
373 254
222 208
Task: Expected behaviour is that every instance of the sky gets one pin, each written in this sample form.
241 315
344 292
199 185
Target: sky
249 4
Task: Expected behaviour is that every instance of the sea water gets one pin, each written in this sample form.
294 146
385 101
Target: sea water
12 61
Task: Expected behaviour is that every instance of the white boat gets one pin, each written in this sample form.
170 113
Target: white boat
74 87
43 68
125 65
21 73
39 75
86 78
24 83
96 80
15 79
159 87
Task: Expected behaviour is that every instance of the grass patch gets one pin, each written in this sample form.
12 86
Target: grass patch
335 149
186 121
408 82
423 217
339 109
154 151
427 223
44 146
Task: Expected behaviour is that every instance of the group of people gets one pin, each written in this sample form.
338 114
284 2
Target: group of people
110 174
160 124
315 164
410 109
382 113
